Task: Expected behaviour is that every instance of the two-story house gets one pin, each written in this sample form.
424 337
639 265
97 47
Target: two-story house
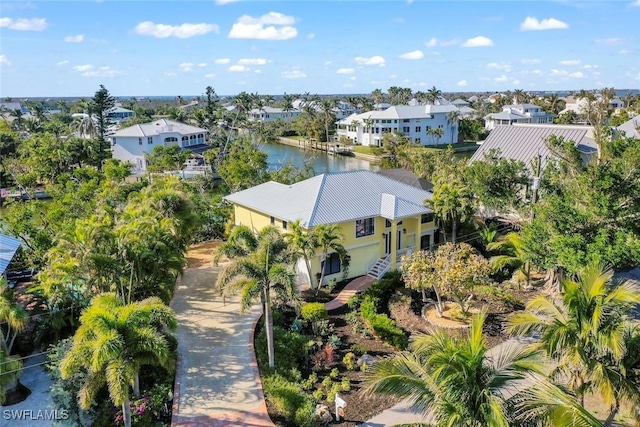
519 113
414 122
271 114
131 144
380 218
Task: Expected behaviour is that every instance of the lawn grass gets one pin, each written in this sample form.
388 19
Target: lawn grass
363 149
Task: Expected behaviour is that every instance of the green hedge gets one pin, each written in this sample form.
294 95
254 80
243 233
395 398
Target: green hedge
381 324
288 400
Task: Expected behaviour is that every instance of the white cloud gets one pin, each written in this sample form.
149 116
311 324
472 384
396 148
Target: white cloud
4 61
221 2
88 70
415 54
636 3
462 83
570 62
532 24
536 72
184 31
611 41
374 60
293 74
209 76
433 42
346 71
238 68
577 75
222 61
83 68
480 41
515 82
530 61
499 66
61 63
202 64
271 26
624 51
556 72
353 78
74 39
588 66
501 79
327 63
311 36
252 61
185 67
257 71
34 24
170 74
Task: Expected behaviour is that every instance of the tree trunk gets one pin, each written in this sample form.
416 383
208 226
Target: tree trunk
307 263
454 227
424 296
324 259
439 304
268 326
614 411
136 385
126 413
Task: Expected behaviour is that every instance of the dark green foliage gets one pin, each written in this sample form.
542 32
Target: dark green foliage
169 158
381 324
289 347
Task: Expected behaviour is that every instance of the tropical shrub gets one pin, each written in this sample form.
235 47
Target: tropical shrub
349 361
314 313
381 325
286 398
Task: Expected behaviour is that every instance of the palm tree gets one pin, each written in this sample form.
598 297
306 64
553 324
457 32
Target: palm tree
459 382
328 238
436 134
328 115
113 342
518 96
513 254
584 333
303 243
85 127
433 95
452 203
261 264
452 121
378 96
12 315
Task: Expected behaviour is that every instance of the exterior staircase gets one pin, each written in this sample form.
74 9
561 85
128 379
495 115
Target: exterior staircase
379 268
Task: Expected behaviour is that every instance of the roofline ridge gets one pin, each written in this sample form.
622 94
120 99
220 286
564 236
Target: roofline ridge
315 203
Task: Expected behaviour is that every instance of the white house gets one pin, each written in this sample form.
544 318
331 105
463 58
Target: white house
132 143
519 113
270 114
414 122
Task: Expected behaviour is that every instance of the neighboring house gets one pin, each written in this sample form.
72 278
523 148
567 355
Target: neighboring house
119 114
631 127
270 114
414 122
577 105
132 143
8 247
380 218
525 142
13 106
464 108
519 113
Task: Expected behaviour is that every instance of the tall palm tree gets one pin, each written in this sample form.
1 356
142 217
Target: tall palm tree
512 254
433 95
328 116
13 318
584 333
262 264
458 382
452 203
113 342
452 121
303 243
378 96
328 238
435 134
85 127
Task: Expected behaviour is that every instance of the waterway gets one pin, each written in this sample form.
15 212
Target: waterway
281 155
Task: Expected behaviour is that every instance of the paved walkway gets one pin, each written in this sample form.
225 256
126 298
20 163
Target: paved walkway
352 288
217 379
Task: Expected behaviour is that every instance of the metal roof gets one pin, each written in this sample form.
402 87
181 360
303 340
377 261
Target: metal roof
335 197
8 248
158 127
631 127
407 177
524 142
402 112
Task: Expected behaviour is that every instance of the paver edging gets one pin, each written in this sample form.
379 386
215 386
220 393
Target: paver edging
254 363
176 381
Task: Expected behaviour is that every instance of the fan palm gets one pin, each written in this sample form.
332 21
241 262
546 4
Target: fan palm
113 342
303 243
456 381
586 332
262 264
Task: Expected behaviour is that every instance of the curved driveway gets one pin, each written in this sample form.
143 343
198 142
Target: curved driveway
217 380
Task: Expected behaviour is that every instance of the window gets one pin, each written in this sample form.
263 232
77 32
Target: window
405 120
332 264
426 218
149 140
418 141
406 129
418 128
365 227
284 225
273 221
387 223
139 141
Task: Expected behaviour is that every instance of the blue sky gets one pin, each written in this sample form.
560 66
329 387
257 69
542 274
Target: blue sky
50 48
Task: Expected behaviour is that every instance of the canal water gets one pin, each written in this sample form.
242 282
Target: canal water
281 155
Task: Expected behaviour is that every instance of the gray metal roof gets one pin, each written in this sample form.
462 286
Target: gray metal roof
407 177
524 142
335 197
8 248
631 126
506 115
158 127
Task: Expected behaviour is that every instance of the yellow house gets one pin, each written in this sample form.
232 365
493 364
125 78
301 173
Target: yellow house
381 219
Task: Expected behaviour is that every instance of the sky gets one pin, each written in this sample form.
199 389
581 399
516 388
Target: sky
179 47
